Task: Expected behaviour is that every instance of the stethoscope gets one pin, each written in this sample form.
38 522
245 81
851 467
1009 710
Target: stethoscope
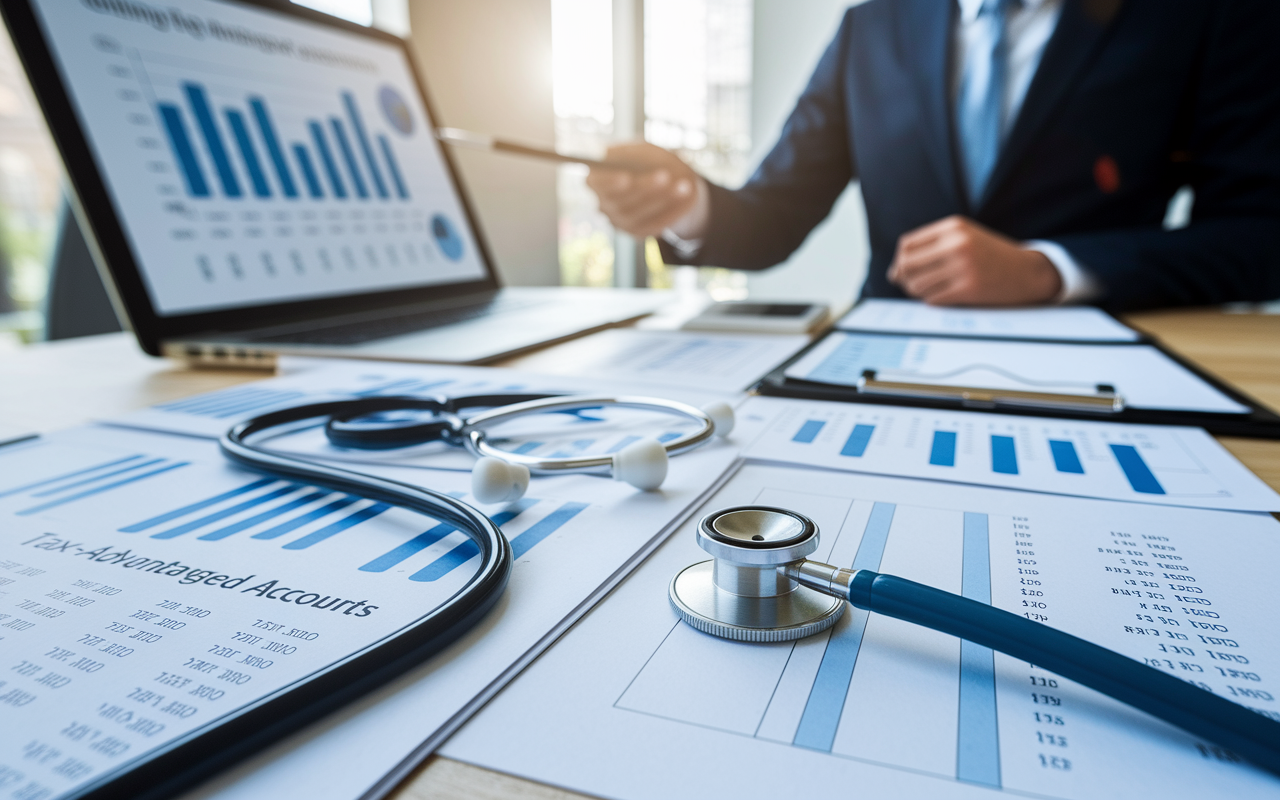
498 475
760 587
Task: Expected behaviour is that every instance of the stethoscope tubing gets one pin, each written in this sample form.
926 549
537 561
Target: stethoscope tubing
1195 710
495 554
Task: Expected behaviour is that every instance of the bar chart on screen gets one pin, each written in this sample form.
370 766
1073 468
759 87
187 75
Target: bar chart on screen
892 708
1149 463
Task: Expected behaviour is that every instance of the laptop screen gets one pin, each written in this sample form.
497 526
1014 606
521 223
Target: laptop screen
257 158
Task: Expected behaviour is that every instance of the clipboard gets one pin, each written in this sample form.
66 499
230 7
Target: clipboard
1105 404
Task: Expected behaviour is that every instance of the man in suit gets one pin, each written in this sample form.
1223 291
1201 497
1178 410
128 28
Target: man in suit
1011 152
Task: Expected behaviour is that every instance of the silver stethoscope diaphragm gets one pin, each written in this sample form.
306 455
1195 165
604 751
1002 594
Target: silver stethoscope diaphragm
740 593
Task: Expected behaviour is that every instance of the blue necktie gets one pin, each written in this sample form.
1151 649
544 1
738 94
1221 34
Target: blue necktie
981 103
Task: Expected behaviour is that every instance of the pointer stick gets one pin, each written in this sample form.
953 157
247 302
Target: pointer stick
478 141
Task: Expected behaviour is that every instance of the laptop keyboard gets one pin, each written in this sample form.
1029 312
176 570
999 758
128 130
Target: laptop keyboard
370 330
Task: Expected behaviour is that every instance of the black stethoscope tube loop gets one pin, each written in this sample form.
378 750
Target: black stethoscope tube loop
1202 713
495 551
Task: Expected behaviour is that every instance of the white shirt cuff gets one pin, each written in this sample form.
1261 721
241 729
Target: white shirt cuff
1078 285
686 233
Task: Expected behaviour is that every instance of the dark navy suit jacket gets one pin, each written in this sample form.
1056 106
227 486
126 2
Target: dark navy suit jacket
1132 99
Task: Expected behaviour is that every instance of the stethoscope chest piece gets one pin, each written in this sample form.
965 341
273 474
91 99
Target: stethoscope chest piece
740 593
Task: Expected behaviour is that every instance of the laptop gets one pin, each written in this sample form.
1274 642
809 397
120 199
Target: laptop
259 178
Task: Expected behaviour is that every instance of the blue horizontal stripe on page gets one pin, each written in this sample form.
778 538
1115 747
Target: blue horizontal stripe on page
1065 458
209 519
808 431
424 540
101 489
1136 470
194 507
46 481
858 440
621 443
545 527
270 513
333 529
943 452
95 478
303 519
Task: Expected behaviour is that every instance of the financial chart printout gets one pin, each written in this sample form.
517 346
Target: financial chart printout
881 708
1162 464
1064 323
148 588
254 157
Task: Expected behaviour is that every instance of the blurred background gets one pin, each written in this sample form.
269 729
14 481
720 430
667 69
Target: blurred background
710 79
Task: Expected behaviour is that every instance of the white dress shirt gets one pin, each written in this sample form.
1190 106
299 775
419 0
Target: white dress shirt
1029 25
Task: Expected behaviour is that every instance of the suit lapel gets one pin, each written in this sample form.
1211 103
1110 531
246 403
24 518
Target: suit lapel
1080 30
925 39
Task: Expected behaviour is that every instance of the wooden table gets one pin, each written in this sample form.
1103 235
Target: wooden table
50 386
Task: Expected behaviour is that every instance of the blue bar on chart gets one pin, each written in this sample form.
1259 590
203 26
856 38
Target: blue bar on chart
326 158
308 171
943 451
1136 470
618 445
334 528
808 431
180 142
248 152
231 402
265 516
1065 458
309 517
357 124
434 534
393 167
46 481
104 488
268 130
822 711
520 544
221 514
349 156
212 138
1004 455
95 478
856 444
169 516
978 739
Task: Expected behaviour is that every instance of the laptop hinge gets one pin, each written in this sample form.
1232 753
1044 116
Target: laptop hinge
198 354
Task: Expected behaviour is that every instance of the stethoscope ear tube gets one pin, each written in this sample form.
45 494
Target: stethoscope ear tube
1191 708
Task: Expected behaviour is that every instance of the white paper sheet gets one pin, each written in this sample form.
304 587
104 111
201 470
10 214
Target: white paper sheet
1067 323
707 361
1163 464
87 510
635 705
1144 376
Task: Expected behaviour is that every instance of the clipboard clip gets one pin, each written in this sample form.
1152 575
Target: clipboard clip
1106 401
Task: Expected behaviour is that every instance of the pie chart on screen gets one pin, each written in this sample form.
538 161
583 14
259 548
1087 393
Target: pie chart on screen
447 237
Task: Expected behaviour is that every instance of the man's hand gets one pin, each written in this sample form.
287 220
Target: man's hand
644 203
957 262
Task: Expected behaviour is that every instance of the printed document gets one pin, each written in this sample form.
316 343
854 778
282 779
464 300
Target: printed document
636 705
1064 323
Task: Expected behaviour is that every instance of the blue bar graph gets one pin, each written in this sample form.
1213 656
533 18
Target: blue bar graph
621 443
100 489
308 171
520 544
270 513
808 431
212 138
429 537
350 521
84 481
326 158
307 518
348 156
194 507
1065 458
221 514
1136 470
268 131
248 152
978 739
46 481
197 186
357 124
943 452
527 447
232 402
393 167
858 440
822 711
669 436
1004 455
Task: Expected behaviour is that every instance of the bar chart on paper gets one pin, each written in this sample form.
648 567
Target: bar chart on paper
1150 463
894 709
